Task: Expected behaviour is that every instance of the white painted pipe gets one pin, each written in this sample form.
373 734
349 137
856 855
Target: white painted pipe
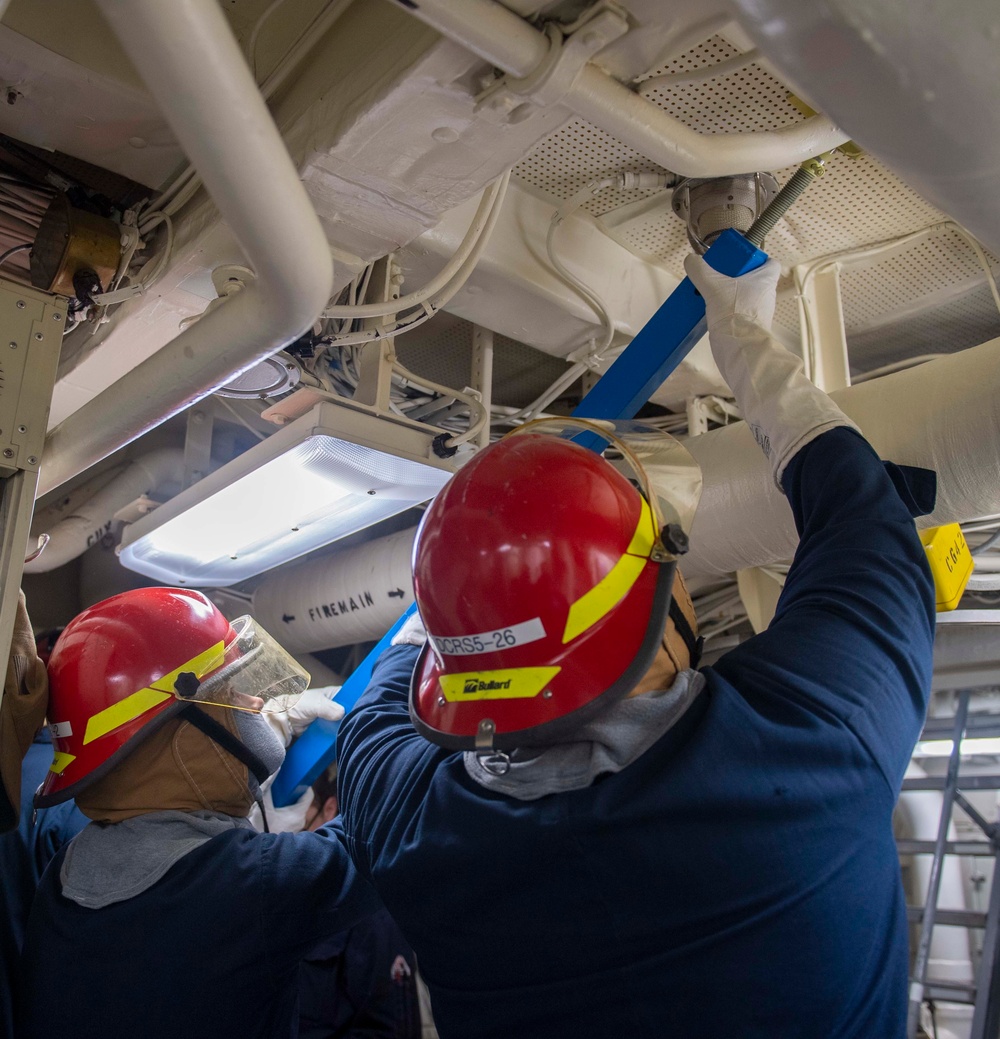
191 63
91 519
913 82
499 36
943 415
353 596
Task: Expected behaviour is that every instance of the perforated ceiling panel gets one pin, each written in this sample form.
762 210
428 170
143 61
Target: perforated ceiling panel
858 202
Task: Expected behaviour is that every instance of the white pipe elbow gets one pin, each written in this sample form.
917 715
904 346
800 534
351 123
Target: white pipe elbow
74 534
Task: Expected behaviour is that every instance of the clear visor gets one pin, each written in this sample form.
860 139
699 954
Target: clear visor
665 471
256 674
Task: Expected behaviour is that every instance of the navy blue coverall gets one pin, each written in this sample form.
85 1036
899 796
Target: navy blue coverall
740 878
24 854
210 951
360 984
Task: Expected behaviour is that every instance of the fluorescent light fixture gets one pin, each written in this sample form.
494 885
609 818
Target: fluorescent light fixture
942 748
328 474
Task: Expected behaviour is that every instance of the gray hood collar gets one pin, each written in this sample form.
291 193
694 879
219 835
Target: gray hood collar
112 862
608 743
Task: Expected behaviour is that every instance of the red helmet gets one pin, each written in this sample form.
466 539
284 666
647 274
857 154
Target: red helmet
544 586
126 665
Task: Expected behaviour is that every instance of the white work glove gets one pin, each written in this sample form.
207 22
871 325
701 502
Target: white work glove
783 409
412 633
312 704
290 819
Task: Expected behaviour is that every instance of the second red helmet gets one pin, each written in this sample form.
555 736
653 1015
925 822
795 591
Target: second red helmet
539 580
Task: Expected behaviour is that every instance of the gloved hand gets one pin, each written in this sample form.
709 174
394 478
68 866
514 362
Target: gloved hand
290 819
312 704
783 409
412 633
22 711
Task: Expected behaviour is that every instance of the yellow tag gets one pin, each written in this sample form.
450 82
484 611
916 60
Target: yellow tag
951 563
61 761
510 684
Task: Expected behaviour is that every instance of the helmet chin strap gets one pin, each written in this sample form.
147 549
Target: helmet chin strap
226 740
694 643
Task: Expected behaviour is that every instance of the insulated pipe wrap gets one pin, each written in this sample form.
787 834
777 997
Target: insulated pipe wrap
74 534
943 415
353 596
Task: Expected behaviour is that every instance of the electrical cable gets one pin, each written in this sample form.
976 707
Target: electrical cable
430 307
5 256
255 35
803 276
896 366
624 181
987 544
473 403
492 197
187 182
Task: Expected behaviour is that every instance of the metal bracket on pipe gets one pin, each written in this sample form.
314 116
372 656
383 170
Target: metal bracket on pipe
554 77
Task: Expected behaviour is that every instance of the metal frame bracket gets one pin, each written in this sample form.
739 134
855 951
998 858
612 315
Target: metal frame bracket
554 76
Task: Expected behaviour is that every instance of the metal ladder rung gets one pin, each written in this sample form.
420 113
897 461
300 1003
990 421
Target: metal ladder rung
950 991
964 783
905 846
948 917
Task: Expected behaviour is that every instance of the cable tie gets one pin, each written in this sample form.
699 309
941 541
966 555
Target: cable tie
106 299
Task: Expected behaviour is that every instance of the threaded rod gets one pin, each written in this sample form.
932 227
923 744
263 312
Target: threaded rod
782 202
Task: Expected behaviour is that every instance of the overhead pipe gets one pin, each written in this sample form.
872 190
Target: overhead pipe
193 66
351 596
500 37
90 520
914 83
943 415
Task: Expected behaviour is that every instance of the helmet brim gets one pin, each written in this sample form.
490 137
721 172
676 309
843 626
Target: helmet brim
428 671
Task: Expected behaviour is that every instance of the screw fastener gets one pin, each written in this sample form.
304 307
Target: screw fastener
8 452
20 304
32 459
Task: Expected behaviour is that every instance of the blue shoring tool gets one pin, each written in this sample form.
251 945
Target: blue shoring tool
642 367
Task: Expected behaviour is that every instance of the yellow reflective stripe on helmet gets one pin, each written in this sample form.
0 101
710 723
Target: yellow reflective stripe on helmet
142 700
509 684
616 584
61 761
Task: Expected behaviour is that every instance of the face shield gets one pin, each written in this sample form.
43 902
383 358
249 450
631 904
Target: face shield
660 467
250 673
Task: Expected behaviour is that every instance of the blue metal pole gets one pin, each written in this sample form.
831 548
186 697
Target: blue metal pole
666 338
661 344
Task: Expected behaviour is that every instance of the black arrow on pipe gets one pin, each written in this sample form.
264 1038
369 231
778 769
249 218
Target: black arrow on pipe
397 594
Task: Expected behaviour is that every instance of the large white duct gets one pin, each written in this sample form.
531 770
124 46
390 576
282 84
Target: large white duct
914 82
943 415
353 596
88 522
